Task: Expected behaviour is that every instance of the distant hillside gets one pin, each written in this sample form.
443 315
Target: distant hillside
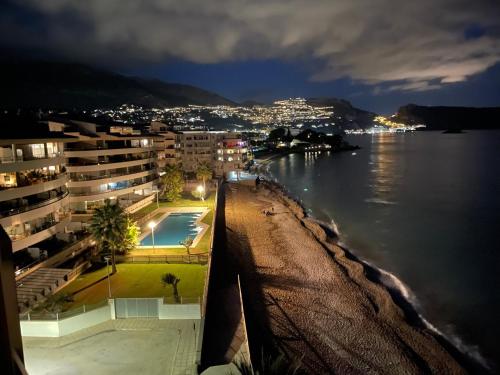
441 118
73 86
350 117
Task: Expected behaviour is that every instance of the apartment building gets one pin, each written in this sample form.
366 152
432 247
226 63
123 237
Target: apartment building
34 198
117 163
224 151
165 145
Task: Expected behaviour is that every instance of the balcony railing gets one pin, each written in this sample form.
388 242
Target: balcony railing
109 175
29 207
49 223
121 160
20 159
120 186
118 147
29 181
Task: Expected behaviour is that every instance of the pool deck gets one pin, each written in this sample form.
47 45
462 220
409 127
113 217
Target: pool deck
146 231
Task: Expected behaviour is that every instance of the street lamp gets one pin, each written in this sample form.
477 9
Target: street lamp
152 225
157 201
107 258
201 190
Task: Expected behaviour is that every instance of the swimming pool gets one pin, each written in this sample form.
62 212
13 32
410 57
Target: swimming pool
174 228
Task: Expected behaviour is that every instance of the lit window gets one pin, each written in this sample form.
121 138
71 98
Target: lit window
38 150
230 159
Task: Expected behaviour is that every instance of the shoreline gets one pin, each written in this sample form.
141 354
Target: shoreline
329 237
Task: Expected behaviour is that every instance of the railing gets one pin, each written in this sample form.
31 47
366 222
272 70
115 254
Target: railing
39 228
63 314
124 160
149 178
175 259
29 207
209 267
30 181
110 175
20 159
106 148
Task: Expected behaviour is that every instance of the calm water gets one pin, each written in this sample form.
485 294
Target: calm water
425 207
172 229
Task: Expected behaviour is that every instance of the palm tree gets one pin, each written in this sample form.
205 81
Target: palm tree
187 243
109 226
171 279
204 172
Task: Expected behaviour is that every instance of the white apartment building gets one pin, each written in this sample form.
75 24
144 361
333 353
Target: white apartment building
34 198
117 163
165 145
224 151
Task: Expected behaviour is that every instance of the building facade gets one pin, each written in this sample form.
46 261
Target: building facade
165 145
118 163
34 198
224 151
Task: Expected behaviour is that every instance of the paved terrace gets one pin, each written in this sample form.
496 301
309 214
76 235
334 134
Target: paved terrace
123 346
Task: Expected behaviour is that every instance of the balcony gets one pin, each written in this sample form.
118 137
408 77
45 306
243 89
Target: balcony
105 165
6 212
27 179
105 151
30 190
111 178
120 189
40 233
25 164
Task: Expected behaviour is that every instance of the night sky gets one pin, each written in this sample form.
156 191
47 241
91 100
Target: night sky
377 54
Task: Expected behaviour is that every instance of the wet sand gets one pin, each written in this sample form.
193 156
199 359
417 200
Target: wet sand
302 293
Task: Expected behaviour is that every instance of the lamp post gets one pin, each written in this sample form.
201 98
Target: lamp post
107 258
200 189
152 225
157 200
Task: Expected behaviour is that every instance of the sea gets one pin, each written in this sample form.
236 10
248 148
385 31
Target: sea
424 207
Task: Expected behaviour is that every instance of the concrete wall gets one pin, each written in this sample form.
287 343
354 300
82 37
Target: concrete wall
184 311
57 328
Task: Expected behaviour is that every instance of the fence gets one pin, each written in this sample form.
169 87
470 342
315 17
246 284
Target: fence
63 314
175 259
64 323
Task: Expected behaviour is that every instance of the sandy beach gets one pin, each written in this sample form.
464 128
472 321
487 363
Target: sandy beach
302 293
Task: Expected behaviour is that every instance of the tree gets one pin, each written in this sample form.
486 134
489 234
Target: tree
277 135
131 237
187 243
173 183
171 279
109 226
204 172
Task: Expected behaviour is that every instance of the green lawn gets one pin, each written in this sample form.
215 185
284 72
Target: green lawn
135 280
187 200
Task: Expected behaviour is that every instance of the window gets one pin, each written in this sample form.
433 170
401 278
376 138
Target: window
38 150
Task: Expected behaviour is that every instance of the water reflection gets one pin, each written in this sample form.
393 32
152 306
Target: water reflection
385 169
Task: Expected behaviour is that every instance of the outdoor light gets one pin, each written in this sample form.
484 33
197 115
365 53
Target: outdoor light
201 190
152 225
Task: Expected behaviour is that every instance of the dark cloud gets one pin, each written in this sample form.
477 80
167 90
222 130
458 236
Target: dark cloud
412 45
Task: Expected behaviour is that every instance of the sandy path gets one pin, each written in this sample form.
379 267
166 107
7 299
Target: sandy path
316 305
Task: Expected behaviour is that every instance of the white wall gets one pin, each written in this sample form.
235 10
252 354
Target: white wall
186 311
57 328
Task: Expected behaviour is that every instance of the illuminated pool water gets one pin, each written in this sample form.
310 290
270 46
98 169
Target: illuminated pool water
174 228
